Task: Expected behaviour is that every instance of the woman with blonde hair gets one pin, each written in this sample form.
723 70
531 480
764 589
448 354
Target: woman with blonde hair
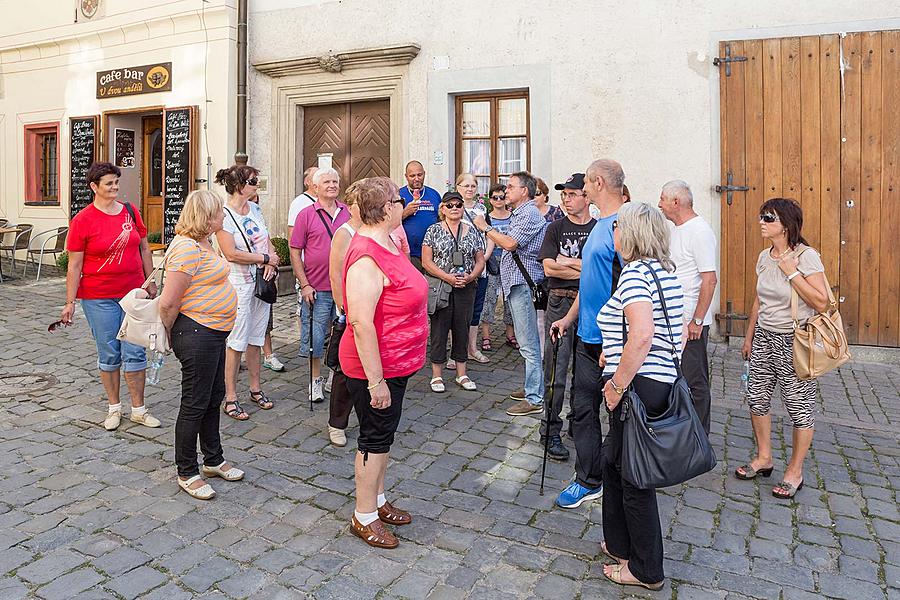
198 306
644 361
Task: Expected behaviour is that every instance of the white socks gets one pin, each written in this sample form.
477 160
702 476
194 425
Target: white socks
366 518
115 408
380 501
138 410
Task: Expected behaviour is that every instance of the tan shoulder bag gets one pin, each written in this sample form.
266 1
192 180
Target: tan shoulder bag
821 344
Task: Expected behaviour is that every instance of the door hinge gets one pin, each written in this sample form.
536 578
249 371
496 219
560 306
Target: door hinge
727 60
729 188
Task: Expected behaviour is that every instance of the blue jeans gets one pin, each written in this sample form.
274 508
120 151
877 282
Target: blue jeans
525 324
322 314
105 317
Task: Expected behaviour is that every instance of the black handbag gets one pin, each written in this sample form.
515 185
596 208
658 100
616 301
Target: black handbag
264 289
539 291
332 358
670 448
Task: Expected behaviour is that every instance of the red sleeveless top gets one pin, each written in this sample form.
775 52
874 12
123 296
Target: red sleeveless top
401 315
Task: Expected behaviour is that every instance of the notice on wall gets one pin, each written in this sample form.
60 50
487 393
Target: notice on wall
124 148
177 132
83 135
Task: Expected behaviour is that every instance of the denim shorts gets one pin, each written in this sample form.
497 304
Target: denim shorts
323 314
105 317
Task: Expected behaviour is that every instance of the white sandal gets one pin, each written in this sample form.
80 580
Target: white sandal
232 474
437 385
204 492
465 383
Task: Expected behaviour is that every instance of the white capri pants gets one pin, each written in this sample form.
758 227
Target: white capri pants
252 319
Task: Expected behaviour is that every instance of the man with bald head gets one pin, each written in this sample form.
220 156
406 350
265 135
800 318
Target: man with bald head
604 181
420 204
307 198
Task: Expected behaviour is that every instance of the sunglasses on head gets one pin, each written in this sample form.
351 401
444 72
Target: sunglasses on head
453 204
768 217
253 181
57 325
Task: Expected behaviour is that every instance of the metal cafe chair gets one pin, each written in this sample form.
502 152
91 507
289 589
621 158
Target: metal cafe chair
59 234
20 241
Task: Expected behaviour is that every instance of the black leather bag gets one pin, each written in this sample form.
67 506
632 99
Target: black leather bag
332 358
539 291
264 289
670 448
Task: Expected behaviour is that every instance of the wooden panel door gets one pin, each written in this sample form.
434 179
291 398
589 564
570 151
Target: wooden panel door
152 174
794 124
326 128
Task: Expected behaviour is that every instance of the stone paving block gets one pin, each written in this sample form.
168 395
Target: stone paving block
768 549
784 574
70 584
345 588
203 576
690 592
759 588
170 591
12 589
244 584
182 560
375 570
121 560
413 586
721 561
838 586
136 582
47 541
50 566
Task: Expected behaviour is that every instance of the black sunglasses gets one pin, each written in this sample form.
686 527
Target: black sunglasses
56 325
253 181
615 224
768 217
498 197
453 204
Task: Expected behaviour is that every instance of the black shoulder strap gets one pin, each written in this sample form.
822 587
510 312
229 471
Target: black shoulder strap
130 210
325 223
521 266
662 301
241 231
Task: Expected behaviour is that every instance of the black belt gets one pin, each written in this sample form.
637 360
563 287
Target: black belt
564 293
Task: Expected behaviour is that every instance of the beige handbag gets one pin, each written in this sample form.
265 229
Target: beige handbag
142 324
821 344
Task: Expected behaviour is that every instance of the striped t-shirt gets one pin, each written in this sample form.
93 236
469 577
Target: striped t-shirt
210 298
636 284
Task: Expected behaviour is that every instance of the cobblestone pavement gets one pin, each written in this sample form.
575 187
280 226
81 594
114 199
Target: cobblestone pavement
93 514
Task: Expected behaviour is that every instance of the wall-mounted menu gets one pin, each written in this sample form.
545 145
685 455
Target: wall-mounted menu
83 137
177 140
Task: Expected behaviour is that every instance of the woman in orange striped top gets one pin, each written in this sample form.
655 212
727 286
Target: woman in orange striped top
198 305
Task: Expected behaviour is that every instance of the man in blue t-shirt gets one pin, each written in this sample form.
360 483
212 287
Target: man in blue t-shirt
600 268
420 204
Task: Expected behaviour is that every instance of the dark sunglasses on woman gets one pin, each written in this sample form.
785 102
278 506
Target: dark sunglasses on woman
454 205
768 217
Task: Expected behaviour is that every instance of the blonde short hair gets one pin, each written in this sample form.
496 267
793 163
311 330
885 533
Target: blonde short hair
200 207
351 194
463 176
643 233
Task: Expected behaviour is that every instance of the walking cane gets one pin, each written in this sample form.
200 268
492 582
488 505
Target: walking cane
548 403
311 352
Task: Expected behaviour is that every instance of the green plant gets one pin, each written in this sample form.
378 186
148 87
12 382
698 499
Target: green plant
283 250
62 261
154 237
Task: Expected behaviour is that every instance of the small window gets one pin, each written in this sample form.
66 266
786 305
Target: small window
492 137
42 164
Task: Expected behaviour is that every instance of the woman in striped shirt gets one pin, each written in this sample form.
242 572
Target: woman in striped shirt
645 362
198 307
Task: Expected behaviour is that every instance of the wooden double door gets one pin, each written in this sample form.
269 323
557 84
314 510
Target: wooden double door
816 119
357 134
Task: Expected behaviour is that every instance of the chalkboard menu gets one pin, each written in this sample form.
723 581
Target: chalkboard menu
82 152
177 140
124 140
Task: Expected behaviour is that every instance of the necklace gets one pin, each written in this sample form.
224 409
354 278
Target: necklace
778 257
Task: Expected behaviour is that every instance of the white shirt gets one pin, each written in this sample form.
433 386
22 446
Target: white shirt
693 249
298 204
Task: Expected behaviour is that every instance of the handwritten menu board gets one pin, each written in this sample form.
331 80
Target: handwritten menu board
82 152
177 130
124 140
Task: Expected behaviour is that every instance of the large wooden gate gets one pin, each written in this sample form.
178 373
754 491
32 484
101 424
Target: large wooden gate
796 122
357 134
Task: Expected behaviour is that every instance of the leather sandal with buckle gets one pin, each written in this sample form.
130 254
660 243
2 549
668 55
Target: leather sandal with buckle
393 515
235 412
261 400
232 474
374 534
747 472
204 492
789 490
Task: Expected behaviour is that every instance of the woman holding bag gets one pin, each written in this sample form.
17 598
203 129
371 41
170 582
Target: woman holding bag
788 265
631 529
198 306
244 241
108 257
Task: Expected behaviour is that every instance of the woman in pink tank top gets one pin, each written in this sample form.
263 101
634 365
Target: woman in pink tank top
385 299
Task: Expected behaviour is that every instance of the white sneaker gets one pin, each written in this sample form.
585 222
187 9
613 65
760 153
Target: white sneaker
316 392
112 420
327 386
271 362
337 436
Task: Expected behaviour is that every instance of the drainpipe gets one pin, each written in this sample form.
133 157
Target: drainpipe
240 154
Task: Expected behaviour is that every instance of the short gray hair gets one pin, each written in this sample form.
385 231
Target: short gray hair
611 172
643 233
678 190
526 180
317 178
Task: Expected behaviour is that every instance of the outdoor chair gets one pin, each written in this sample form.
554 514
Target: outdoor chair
59 234
19 242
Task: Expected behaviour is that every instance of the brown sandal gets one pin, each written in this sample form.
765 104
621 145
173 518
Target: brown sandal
261 400
235 412
374 534
393 515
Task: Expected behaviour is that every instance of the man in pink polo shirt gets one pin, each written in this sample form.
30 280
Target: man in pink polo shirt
310 246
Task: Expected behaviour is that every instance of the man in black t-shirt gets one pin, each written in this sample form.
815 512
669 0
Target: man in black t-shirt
561 257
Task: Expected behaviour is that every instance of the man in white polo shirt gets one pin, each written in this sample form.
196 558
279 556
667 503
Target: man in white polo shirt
307 198
693 250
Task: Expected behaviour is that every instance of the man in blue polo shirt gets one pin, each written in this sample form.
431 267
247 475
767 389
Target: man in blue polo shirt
600 268
420 204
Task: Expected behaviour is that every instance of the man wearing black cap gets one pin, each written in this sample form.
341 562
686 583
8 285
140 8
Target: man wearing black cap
561 257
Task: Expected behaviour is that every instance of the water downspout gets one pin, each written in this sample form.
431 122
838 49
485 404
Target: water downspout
240 154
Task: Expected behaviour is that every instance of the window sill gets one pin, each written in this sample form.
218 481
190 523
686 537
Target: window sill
42 203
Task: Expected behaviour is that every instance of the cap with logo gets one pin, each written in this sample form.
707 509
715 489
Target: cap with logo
574 182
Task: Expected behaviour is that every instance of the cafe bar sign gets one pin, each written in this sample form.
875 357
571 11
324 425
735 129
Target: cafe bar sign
134 80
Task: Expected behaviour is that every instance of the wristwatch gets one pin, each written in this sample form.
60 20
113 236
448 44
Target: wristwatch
265 258
697 321
489 228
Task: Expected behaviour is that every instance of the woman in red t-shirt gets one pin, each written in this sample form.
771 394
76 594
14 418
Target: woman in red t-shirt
108 257
383 293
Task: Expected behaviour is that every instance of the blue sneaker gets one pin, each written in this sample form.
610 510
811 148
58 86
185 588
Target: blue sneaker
575 494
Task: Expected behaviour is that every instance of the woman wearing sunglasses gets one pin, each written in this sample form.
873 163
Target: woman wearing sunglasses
788 265
244 241
452 251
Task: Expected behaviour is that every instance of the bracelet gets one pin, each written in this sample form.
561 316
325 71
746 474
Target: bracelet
305 285
619 390
72 302
792 275
372 387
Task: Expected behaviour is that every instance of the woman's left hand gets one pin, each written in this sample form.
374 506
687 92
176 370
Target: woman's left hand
611 396
269 272
788 263
381 396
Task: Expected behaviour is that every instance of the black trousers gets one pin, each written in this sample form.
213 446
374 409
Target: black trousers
630 515
377 426
201 351
454 317
587 396
340 404
557 307
695 366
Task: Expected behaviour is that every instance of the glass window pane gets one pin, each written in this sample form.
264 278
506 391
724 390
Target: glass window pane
512 116
484 185
156 161
476 156
513 155
476 119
